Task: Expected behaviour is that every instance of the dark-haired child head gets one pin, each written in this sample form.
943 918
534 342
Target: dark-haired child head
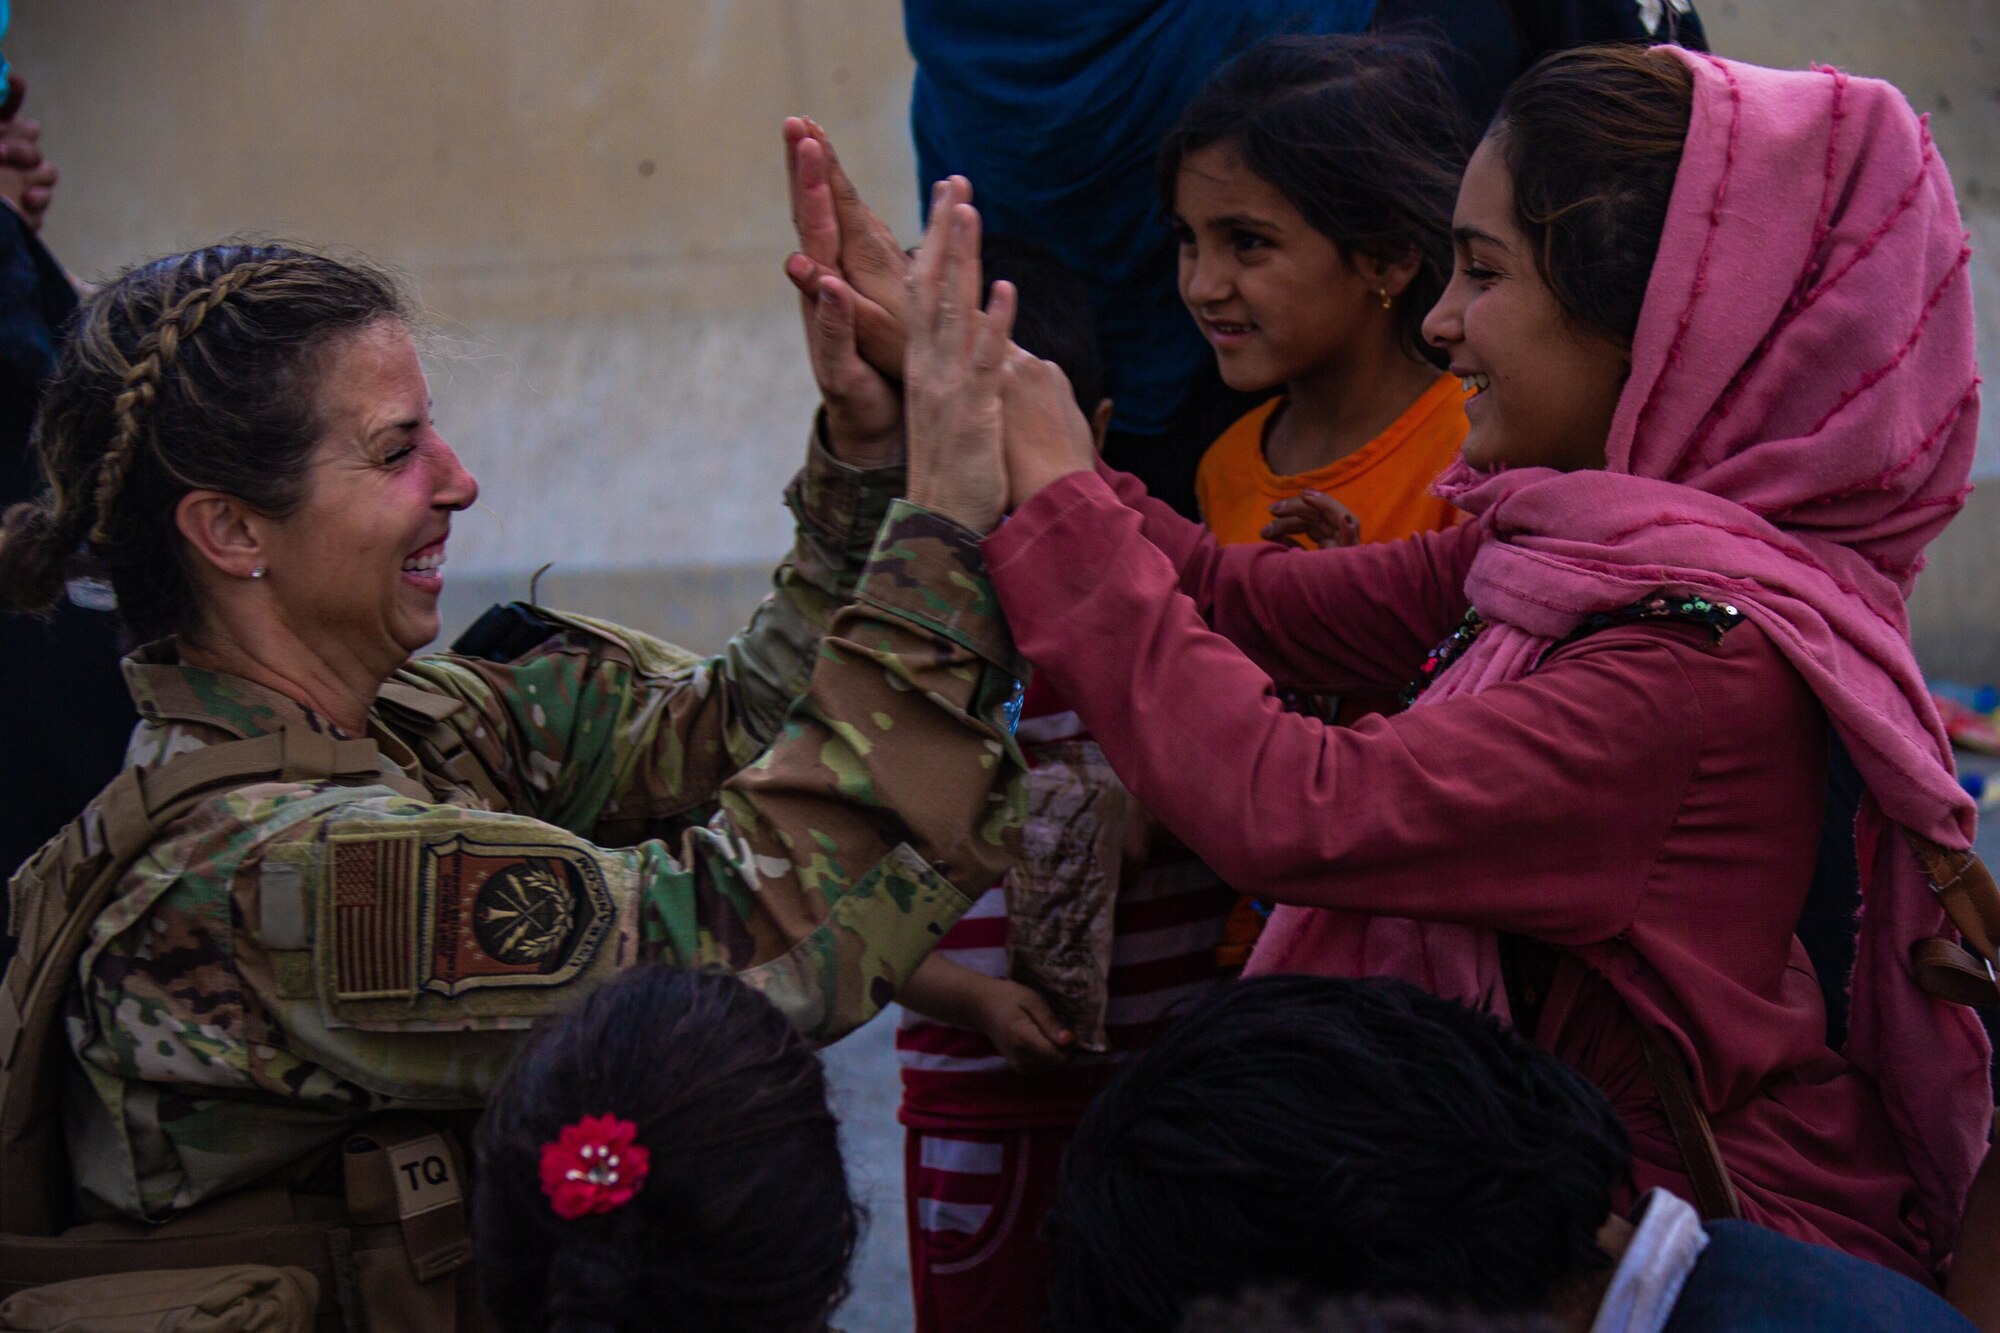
743 1220
1345 1136
1310 183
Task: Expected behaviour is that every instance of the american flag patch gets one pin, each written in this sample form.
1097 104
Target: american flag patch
374 918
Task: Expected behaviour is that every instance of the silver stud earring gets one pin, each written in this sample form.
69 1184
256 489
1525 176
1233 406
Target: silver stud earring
257 573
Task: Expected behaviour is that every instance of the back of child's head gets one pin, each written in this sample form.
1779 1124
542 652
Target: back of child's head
1347 1136
733 1213
1361 133
1052 319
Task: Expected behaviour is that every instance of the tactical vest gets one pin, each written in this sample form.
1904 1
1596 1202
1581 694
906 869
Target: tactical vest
393 1254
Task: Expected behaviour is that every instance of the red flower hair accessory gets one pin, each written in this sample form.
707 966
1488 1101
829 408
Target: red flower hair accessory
596 1165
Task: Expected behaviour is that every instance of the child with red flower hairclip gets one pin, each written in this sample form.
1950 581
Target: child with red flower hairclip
663 1158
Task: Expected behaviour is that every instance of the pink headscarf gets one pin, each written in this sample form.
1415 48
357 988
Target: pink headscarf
1798 425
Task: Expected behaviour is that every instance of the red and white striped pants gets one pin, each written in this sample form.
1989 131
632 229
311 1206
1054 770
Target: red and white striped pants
975 1200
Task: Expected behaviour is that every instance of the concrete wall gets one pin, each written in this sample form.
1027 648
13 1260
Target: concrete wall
590 199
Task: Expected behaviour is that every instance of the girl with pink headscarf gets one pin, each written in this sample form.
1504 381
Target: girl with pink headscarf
1717 327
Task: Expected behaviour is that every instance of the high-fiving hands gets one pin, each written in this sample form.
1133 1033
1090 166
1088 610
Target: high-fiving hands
991 423
1044 434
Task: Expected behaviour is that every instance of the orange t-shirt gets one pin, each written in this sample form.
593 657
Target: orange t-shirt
1386 482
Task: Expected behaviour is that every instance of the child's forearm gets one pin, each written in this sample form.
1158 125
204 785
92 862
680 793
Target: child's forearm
942 990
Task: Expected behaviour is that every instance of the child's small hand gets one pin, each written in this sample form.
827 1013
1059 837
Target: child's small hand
1045 434
27 180
1313 514
1018 1021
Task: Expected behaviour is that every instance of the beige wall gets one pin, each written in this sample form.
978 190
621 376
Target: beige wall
590 198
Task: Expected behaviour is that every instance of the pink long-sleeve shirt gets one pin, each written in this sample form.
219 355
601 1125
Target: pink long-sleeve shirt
1648 800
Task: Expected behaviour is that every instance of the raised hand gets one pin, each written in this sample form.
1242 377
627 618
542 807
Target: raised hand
840 235
954 370
864 411
1313 514
1045 434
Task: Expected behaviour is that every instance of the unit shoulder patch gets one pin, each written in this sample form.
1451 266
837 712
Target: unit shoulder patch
509 914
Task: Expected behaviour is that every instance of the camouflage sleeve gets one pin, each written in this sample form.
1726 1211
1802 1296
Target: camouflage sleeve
294 956
609 732
896 781
836 510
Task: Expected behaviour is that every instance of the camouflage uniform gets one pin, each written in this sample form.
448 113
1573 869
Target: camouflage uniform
291 957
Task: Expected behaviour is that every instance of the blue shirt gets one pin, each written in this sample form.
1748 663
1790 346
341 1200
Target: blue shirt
1752 1280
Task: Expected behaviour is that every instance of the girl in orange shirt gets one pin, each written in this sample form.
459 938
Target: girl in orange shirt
1310 183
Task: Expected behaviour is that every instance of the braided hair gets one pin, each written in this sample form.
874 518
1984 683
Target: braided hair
197 371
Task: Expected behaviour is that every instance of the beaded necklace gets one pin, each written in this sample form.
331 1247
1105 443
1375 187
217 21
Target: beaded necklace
1718 617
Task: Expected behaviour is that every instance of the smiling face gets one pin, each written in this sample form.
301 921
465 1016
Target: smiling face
354 569
1273 295
1547 388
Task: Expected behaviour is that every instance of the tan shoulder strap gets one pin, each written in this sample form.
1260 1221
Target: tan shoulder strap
426 703
62 891
1714 1192
139 800
439 744
1959 973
